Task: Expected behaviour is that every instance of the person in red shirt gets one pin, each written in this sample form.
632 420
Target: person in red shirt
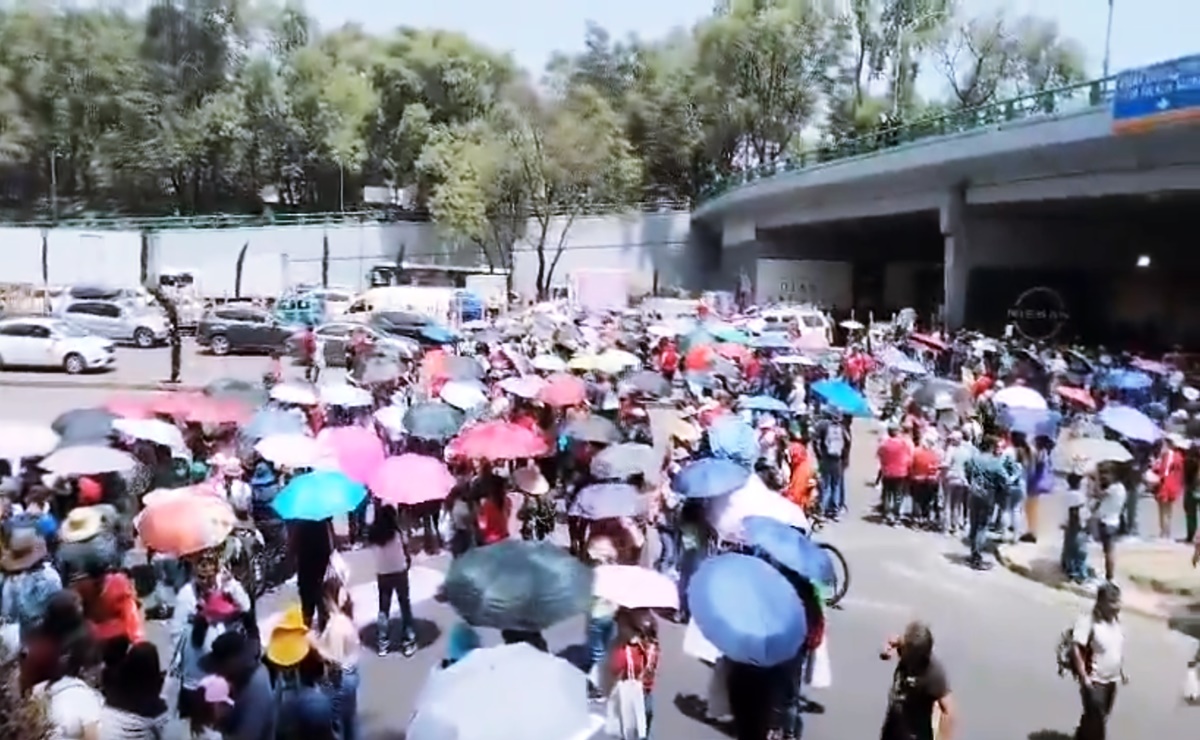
895 459
923 482
495 509
636 654
668 359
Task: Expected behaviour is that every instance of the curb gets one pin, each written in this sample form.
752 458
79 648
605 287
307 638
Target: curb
1164 587
1155 612
112 385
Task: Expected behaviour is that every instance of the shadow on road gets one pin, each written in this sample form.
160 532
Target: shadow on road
695 708
426 630
577 655
1049 735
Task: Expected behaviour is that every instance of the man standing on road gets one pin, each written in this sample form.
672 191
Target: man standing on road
1097 652
987 482
174 340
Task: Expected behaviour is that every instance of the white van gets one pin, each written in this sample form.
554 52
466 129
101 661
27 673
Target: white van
807 319
430 301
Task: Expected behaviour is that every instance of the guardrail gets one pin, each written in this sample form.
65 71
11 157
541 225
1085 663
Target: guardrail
1046 103
266 220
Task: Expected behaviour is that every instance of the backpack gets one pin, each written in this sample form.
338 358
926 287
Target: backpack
1064 654
835 440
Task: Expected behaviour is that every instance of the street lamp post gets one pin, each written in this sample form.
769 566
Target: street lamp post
1108 40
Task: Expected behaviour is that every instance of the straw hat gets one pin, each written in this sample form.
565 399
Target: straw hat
82 524
530 480
288 644
26 548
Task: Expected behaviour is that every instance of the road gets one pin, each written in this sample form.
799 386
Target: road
994 631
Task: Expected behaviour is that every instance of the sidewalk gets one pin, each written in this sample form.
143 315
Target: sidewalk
1156 577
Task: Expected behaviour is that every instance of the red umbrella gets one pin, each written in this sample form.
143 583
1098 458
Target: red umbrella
562 390
498 440
699 358
411 479
1077 395
929 340
130 407
735 352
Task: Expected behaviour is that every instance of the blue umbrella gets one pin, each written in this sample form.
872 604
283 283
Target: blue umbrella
763 403
710 478
273 421
1128 380
747 610
608 501
319 495
842 395
791 549
1130 423
732 438
771 341
438 335
1030 422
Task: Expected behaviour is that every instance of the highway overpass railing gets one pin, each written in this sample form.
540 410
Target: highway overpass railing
1047 103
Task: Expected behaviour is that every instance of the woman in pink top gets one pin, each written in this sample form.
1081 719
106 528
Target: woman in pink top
895 459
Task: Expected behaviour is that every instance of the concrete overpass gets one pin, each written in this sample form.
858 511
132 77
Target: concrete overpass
1022 190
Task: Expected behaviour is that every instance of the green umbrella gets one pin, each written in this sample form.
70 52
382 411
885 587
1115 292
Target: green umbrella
434 420
518 585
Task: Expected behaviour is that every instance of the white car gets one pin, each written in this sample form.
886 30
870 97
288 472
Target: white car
38 342
122 322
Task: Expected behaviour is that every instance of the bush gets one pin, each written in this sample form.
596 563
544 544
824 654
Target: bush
20 718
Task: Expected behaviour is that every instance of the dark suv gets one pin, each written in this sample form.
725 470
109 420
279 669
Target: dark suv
242 330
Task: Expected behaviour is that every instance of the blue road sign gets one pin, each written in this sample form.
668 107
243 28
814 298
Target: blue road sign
1158 95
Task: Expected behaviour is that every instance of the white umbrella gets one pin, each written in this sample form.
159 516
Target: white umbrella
291 450
616 360
753 499
509 692
294 394
152 430
18 440
463 395
1020 397
345 395
88 460
852 325
526 386
794 360
391 418
549 364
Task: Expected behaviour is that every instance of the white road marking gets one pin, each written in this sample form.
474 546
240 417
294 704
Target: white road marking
853 602
423 584
596 723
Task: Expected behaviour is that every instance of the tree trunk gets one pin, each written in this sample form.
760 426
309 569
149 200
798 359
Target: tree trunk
325 261
237 271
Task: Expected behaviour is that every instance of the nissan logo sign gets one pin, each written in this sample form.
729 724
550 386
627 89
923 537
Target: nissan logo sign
1039 313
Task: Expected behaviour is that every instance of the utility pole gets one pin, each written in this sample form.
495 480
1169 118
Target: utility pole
1108 41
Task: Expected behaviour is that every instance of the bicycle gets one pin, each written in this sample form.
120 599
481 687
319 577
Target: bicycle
841 578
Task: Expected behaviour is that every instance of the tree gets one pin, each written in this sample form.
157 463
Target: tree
570 154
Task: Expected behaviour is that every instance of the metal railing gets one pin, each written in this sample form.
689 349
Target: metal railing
1080 96
269 219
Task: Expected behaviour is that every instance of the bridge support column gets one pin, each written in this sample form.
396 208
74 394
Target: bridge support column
738 267
957 260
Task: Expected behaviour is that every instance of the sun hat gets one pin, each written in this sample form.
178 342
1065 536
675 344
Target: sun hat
288 644
26 548
530 480
82 524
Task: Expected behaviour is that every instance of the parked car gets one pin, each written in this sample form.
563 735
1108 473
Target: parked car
299 311
242 329
121 322
48 343
336 336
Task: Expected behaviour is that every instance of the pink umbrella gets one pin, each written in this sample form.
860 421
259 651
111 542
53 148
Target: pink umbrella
634 587
411 479
358 451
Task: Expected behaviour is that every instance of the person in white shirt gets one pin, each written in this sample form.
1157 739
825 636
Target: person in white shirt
392 562
73 708
1098 655
1108 497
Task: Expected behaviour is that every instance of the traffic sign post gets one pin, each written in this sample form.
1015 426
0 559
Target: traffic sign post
1159 95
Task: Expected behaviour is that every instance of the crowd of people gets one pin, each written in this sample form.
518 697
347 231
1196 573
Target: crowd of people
687 461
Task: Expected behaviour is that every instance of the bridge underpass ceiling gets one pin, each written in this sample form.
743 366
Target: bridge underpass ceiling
1094 234
914 237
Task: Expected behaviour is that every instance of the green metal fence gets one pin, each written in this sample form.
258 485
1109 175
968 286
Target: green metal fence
1080 96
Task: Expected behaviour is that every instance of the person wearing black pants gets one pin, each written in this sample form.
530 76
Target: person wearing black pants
1191 491
312 542
389 547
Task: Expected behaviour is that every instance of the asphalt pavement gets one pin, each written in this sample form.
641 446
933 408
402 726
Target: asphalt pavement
995 631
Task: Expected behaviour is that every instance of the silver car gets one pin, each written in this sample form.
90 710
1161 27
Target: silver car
143 327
